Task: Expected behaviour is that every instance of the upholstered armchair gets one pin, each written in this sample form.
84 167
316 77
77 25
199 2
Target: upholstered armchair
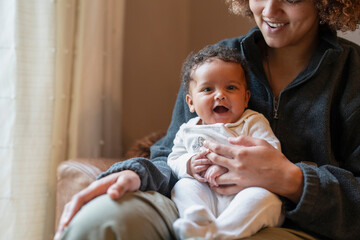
76 174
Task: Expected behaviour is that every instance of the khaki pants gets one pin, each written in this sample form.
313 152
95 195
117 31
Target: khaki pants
142 215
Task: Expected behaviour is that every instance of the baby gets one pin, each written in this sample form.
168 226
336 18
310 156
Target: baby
215 82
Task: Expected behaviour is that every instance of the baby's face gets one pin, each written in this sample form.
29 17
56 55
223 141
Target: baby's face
218 92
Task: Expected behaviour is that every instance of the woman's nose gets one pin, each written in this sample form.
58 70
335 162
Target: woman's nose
271 8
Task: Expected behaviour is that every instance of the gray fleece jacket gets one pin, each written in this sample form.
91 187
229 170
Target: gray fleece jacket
316 118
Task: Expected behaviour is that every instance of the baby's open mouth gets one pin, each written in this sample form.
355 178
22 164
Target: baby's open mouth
221 109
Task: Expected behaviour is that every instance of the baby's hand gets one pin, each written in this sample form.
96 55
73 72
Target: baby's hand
212 173
198 164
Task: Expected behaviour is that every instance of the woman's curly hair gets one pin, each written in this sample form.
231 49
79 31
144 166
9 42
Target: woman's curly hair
194 60
343 15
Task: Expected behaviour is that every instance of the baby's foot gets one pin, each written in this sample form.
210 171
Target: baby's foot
188 229
199 215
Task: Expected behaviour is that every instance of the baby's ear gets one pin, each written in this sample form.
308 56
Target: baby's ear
190 103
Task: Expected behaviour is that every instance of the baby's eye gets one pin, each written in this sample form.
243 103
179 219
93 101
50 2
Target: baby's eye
231 87
207 89
293 1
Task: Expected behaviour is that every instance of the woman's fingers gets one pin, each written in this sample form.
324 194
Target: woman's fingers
127 181
202 152
243 148
245 141
236 144
220 149
230 178
220 160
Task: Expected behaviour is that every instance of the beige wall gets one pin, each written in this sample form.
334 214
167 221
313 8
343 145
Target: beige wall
211 21
352 36
158 36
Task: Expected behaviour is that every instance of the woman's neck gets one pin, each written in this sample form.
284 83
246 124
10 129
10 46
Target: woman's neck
282 65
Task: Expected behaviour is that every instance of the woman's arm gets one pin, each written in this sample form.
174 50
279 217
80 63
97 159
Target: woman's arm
154 173
133 174
330 203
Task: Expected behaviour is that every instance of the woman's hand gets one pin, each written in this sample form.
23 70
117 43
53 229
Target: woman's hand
255 163
198 164
116 185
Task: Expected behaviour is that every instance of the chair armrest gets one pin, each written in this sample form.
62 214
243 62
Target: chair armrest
75 175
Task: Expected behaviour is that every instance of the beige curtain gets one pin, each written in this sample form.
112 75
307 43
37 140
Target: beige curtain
27 69
96 53
60 82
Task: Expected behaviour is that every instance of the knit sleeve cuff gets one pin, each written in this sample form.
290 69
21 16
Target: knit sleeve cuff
306 207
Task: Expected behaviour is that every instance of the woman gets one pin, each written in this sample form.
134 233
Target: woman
305 80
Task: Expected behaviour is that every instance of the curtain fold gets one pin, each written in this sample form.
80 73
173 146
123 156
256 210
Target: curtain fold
27 96
95 117
60 98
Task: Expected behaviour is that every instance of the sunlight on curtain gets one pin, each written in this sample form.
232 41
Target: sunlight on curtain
27 57
95 117
60 97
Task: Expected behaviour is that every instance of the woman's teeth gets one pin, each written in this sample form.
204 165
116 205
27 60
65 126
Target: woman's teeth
275 25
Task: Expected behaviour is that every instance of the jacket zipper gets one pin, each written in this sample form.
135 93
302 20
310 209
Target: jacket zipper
276 103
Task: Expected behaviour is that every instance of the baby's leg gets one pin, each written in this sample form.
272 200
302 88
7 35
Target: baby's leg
251 210
195 202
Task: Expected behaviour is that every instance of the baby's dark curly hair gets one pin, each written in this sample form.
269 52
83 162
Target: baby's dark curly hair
209 52
343 15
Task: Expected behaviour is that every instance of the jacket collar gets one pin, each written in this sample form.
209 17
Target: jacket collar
327 52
